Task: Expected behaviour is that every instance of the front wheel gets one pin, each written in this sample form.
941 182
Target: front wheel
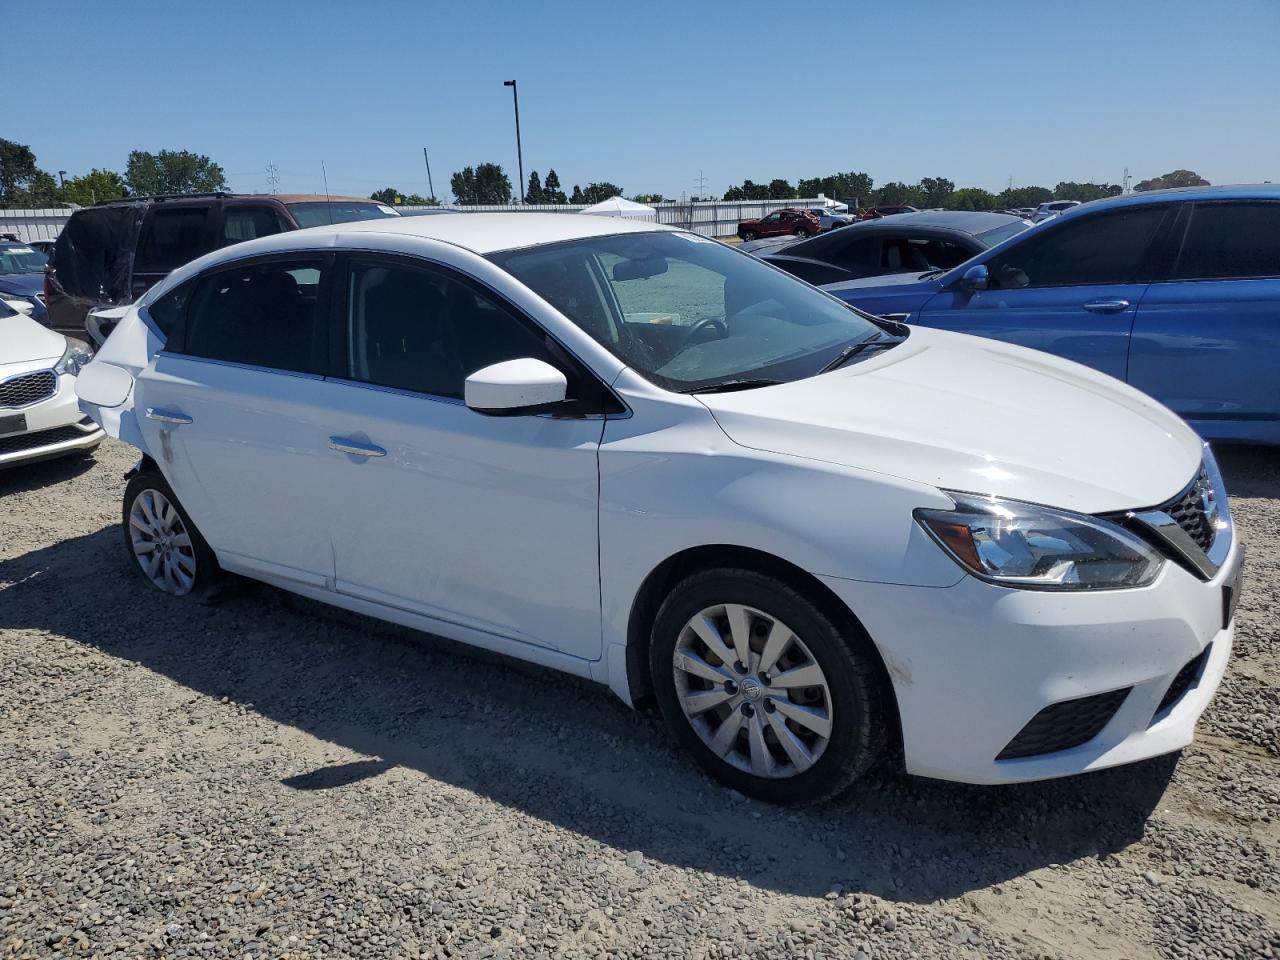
164 544
763 689
747 236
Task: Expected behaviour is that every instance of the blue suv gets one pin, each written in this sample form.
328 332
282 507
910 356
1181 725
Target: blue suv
1176 292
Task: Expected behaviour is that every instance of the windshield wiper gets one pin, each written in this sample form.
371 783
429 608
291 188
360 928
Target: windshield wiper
727 386
853 349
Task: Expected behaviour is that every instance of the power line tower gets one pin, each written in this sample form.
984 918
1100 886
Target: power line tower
273 178
702 186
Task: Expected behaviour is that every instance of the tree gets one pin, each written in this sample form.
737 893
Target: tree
534 192
1175 178
22 183
937 191
1084 192
486 183
551 189
577 196
844 186
748 191
599 192
649 198
172 171
781 190
900 193
394 198
972 198
93 187
1030 196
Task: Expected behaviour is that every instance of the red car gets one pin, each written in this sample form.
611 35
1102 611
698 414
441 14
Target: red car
800 223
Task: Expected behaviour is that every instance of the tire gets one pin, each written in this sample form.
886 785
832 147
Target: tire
747 235
802 232
850 704
152 515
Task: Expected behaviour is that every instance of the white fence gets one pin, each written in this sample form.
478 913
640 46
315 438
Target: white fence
712 218
33 224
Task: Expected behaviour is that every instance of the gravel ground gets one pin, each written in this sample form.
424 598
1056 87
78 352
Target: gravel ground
265 778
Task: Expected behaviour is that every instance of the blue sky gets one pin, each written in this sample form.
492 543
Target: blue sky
647 95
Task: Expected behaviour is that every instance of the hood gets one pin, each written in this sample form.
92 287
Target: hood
964 413
26 284
896 282
23 340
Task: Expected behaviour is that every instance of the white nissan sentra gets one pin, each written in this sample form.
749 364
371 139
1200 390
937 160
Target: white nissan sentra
637 455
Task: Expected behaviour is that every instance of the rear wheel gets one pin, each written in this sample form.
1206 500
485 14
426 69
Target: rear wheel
164 544
800 232
763 689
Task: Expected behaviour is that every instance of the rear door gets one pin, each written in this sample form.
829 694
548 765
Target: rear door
234 411
1207 341
172 234
1072 289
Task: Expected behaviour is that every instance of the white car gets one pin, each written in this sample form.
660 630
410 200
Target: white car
832 219
636 455
1052 208
40 417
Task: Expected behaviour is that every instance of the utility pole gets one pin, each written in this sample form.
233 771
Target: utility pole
62 178
515 98
702 185
430 185
1127 179
273 181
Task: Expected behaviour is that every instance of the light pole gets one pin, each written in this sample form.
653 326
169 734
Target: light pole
515 98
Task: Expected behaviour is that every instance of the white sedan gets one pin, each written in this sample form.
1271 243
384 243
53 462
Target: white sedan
40 417
636 455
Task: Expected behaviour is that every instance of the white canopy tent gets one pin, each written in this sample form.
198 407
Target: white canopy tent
621 207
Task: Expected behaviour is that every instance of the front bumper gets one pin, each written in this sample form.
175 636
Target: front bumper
54 428
972 664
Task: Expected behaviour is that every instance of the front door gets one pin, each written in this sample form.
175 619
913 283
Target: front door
486 522
1072 290
231 409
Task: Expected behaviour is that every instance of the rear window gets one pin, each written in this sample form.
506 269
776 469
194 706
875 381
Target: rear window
1231 240
172 237
19 258
318 213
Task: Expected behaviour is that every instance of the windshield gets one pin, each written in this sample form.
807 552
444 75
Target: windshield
19 258
689 313
317 213
1000 234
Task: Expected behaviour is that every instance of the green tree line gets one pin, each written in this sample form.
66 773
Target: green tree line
23 183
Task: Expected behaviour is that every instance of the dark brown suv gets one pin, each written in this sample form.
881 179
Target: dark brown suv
112 253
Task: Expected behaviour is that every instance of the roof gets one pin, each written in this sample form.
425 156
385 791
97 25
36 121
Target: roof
221 195
484 233
966 221
1233 191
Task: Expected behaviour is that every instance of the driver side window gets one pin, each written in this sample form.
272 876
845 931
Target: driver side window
1107 248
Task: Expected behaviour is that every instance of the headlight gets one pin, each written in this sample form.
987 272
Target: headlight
1023 545
74 357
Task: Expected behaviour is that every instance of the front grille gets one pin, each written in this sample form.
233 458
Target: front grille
1191 510
29 388
41 438
1187 678
1061 726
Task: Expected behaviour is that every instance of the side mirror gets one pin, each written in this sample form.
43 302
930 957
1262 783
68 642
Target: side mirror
641 269
515 388
975 278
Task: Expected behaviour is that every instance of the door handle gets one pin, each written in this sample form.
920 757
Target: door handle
167 416
355 447
1106 306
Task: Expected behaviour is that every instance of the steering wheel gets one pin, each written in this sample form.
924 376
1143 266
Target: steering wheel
706 323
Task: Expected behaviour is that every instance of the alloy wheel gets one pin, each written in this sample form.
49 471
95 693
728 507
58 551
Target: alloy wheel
752 690
161 544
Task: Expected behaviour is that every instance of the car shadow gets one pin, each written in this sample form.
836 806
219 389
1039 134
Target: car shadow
559 748
24 477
